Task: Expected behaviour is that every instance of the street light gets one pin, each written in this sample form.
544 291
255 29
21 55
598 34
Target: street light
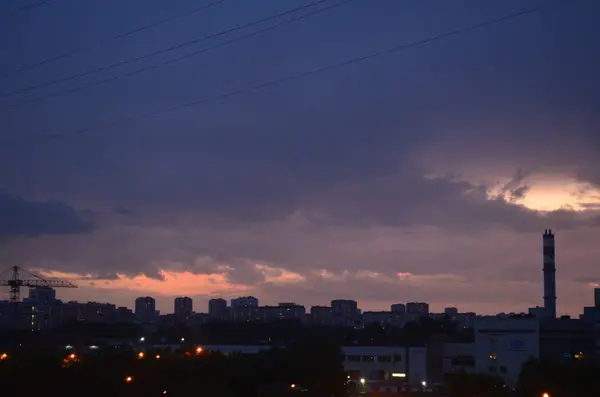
362 381
141 355
425 385
545 395
128 379
142 339
4 356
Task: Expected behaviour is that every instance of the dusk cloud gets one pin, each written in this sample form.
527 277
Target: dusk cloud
444 162
21 217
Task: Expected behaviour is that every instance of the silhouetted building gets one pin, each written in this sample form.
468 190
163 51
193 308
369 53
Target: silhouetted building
145 309
398 308
344 308
244 302
45 310
42 295
217 309
289 310
566 339
421 308
321 315
183 308
124 315
264 313
451 311
244 309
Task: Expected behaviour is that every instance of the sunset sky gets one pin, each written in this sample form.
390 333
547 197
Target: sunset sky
425 174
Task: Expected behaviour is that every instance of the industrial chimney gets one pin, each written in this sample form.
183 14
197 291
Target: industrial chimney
549 274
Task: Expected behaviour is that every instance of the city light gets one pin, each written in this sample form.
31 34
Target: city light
293 385
72 356
141 355
4 356
157 356
182 340
545 395
142 339
424 384
362 381
164 392
198 350
128 379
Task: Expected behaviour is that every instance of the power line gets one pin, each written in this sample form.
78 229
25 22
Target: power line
182 57
103 42
298 76
24 8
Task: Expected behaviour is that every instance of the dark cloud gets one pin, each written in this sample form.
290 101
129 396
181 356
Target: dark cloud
106 276
21 217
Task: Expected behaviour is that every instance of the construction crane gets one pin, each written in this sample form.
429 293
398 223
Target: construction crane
15 283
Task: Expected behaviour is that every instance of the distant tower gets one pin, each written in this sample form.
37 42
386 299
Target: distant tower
549 275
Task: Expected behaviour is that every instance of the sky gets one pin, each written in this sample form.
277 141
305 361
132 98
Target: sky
424 174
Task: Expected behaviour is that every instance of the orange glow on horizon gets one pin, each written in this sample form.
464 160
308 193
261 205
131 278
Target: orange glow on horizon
173 283
177 283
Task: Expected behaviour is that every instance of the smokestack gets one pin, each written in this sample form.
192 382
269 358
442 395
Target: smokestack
549 274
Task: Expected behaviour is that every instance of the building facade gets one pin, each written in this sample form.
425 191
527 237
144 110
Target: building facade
145 309
503 345
183 308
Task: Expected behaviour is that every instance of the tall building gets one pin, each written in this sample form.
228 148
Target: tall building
183 308
217 309
145 309
451 311
597 297
45 309
289 310
417 308
344 307
549 274
244 309
244 301
321 315
398 308
42 295
345 312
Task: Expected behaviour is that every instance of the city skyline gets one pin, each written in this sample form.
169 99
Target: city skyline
403 152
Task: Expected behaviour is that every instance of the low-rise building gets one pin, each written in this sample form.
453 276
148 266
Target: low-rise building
458 357
367 366
503 345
